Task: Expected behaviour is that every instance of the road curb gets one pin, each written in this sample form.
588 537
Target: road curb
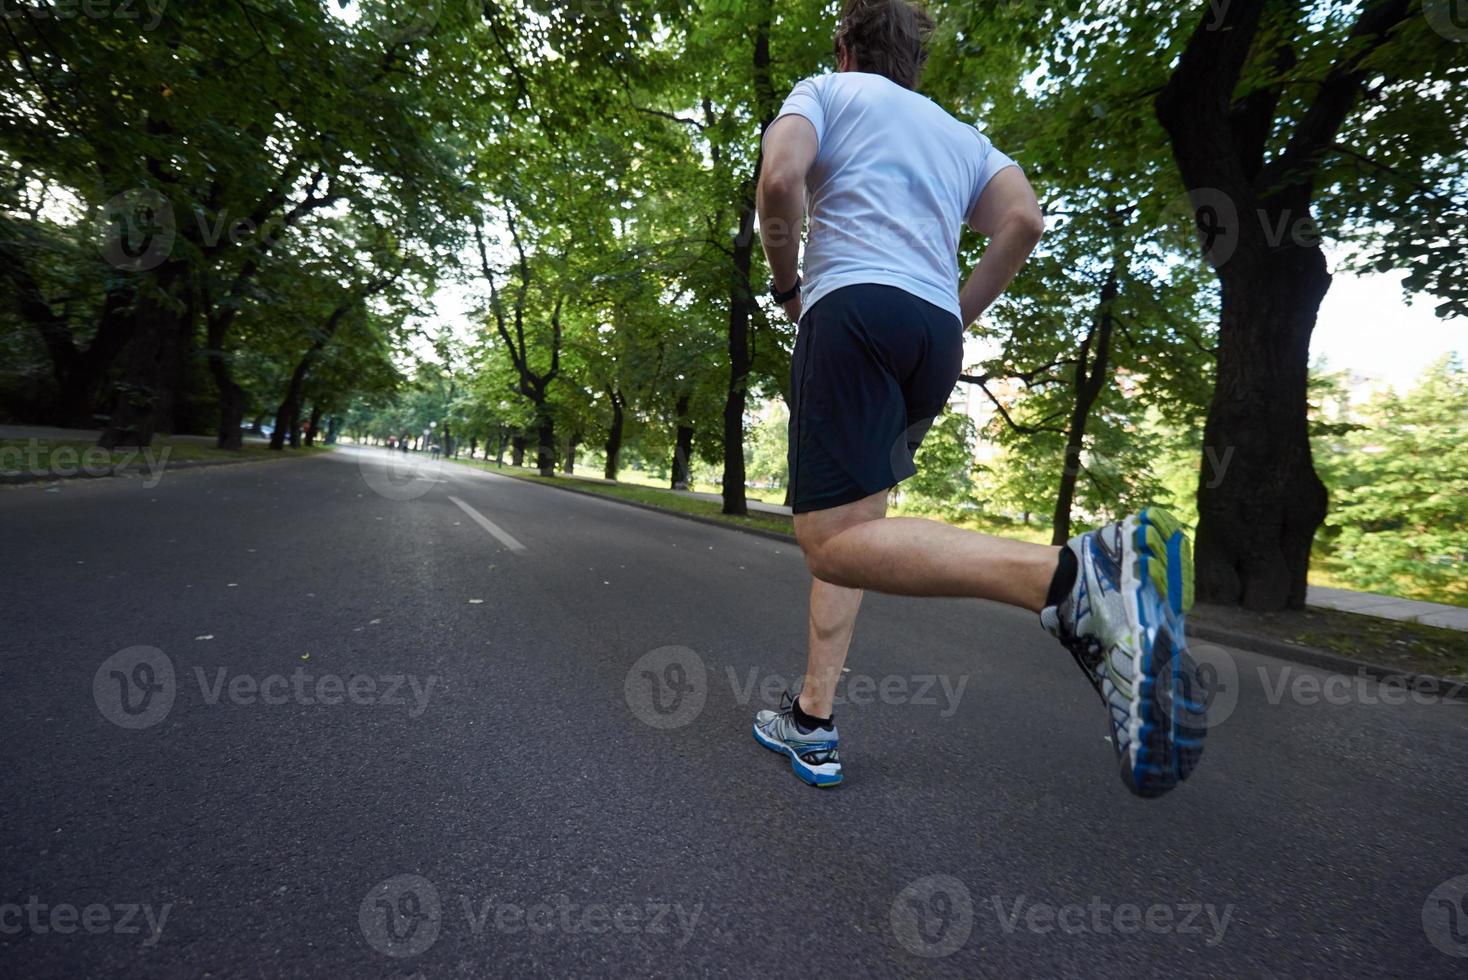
1446 687
21 479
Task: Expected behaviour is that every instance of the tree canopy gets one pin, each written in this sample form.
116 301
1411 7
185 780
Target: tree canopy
531 225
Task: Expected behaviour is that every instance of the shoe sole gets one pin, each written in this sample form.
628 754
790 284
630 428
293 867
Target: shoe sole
1170 722
804 772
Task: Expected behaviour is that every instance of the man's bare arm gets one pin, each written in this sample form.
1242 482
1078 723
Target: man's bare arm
790 150
1009 214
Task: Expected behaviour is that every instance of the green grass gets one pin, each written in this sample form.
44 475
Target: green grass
1402 646
643 478
658 497
63 457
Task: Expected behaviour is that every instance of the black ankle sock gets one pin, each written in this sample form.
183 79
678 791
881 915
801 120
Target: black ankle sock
808 723
1065 577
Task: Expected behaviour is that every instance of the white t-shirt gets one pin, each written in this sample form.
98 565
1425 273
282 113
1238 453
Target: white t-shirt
893 182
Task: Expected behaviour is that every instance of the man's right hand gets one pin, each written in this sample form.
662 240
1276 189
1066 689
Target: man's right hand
1009 214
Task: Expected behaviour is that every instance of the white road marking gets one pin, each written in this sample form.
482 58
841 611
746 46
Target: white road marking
484 522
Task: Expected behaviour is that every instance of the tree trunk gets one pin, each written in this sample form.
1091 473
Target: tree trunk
683 446
332 425
231 395
288 414
81 388
1259 499
499 447
311 428
741 295
569 465
231 412
545 443
143 397
517 451
79 374
1090 381
614 436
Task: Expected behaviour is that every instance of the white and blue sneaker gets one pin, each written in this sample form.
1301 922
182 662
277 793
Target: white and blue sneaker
1123 621
813 755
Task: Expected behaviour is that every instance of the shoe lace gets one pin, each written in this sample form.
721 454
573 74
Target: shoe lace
785 713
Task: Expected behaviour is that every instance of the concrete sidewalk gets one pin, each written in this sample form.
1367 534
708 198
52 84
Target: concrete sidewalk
1388 607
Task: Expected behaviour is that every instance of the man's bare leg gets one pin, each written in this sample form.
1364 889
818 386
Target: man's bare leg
833 610
856 546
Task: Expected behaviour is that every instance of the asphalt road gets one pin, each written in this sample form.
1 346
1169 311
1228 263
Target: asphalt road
310 719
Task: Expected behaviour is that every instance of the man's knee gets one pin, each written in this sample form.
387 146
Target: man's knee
820 560
815 531
810 549
815 561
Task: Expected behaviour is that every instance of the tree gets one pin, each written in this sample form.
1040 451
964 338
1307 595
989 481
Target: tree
544 342
241 122
1399 479
944 479
1266 110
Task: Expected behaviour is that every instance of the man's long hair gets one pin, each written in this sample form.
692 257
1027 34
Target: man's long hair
886 37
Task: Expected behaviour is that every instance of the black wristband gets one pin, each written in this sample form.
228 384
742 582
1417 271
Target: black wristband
787 295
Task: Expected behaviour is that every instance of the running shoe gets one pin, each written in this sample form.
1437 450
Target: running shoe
813 755
1123 621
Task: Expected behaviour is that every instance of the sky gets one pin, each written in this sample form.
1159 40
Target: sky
1366 326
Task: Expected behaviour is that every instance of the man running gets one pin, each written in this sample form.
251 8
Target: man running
891 179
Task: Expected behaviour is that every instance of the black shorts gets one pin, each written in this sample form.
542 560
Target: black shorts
873 366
